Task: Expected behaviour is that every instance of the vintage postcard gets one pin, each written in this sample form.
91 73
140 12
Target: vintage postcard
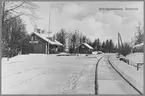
72 47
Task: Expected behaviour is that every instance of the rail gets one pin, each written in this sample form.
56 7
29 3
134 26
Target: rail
96 81
125 78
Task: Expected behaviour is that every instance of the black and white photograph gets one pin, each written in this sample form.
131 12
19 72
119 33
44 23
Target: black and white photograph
72 47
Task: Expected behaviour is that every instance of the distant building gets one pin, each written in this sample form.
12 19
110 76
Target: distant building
138 48
84 49
41 43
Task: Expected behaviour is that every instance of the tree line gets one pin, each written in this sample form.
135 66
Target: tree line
76 38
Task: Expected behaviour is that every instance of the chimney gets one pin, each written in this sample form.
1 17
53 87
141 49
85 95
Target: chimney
54 38
42 31
38 30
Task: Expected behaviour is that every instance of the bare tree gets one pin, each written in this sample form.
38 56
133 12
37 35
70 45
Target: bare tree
139 35
12 10
18 9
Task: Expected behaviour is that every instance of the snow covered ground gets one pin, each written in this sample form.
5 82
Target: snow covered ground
52 74
135 58
134 76
49 74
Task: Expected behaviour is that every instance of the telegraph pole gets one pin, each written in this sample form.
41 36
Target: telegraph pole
49 20
49 29
78 41
121 39
48 33
119 45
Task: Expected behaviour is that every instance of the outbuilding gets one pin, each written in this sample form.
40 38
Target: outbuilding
84 48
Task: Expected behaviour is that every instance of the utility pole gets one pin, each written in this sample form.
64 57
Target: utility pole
78 41
49 20
121 40
48 34
119 45
49 30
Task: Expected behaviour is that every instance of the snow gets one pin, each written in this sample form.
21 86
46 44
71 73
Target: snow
94 52
133 75
58 43
109 82
44 37
135 58
138 45
88 46
97 52
52 74
48 74
62 53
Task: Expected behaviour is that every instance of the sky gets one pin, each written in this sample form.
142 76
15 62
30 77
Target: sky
90 18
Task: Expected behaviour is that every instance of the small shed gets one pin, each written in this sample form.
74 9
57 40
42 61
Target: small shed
84 48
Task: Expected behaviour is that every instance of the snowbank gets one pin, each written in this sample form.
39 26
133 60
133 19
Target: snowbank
94 52
135 58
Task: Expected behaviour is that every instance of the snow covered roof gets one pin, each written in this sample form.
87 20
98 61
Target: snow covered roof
87 45
138 45
44 37
58 43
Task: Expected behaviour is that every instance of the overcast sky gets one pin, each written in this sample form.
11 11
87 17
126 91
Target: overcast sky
89 19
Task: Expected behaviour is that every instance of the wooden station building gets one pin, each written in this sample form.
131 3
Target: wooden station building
41 43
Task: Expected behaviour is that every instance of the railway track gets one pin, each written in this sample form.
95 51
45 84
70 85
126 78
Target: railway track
125 80
96 81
